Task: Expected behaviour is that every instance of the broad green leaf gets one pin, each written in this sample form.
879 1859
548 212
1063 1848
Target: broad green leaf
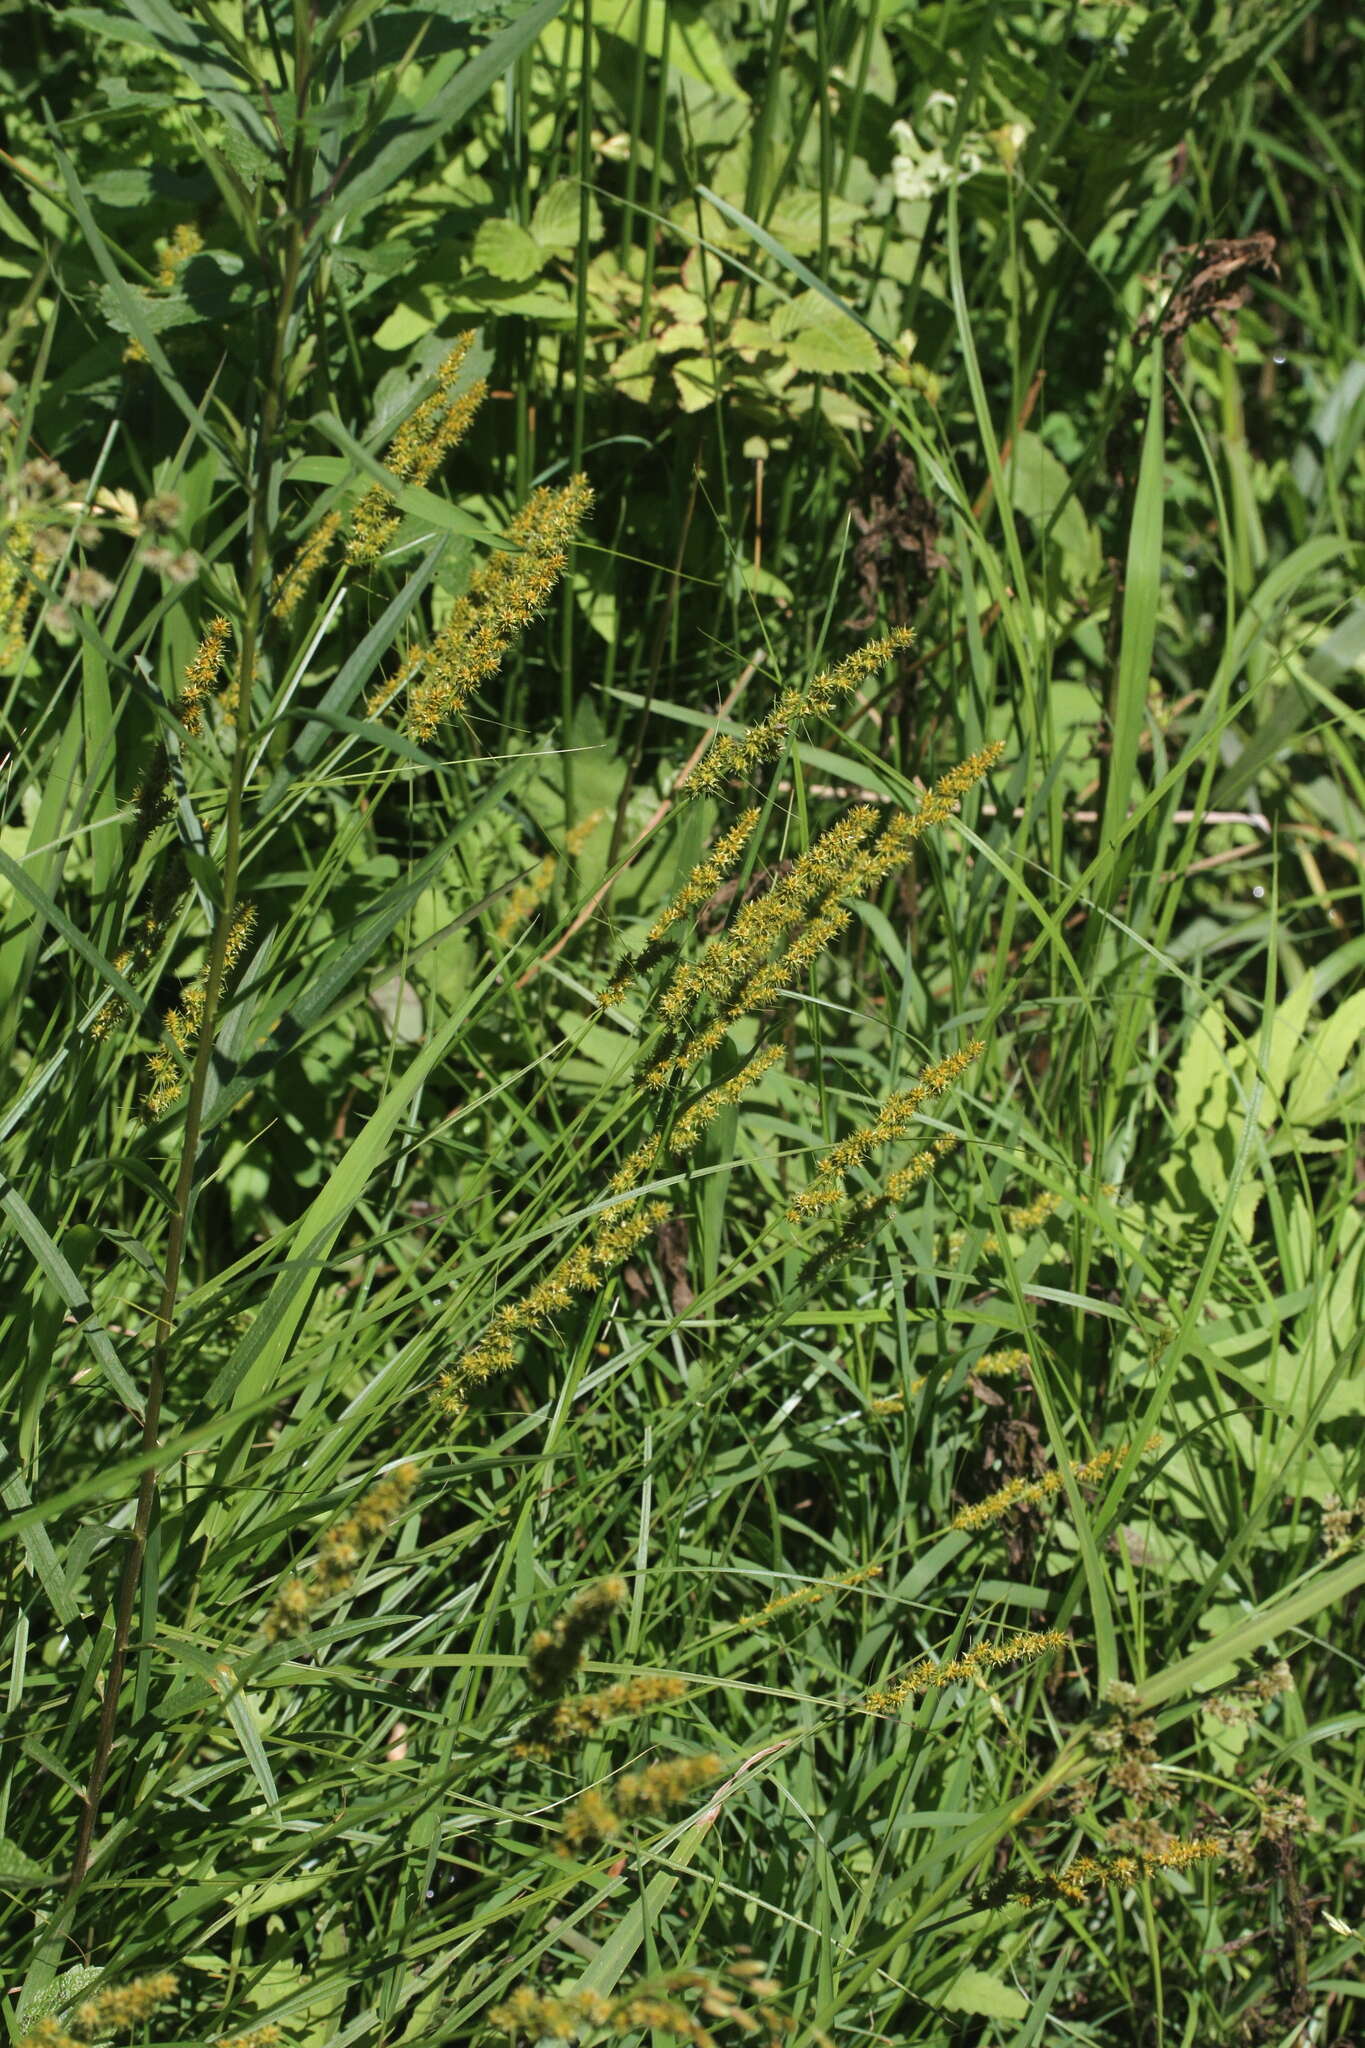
1038 485
1311 1098
61 1992
555 222
697 382
633 370
796 220
693 46
819 336
1203 1065
507 251
977 1991
17 1868
407 323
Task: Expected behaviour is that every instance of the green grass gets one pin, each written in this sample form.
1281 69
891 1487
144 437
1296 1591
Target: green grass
983 375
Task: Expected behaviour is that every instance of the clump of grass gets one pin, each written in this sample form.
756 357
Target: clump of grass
219 1325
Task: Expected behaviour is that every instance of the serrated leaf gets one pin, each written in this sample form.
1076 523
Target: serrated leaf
990 1997
157 314
696 382
1324 1058
681 303
683 334
702 272
831 352
797 221
635 360
507 251
818 336
1202 1065
555 222
751 334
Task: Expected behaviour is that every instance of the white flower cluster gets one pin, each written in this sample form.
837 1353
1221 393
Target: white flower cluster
923 166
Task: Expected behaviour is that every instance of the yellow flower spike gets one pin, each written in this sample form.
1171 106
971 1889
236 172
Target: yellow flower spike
582 1271
119 2009
991 1365
807 1596
556 1652
735 972
863 1215
526 898
737 975
699 887
16 591
504 595
1027 1493
184 1021
633 1168
201 673
588 1823
573 1720
898 840
417 449
892 1121
930 1675
1000 1365
764 742
593 1819
1019 1221
185 241
696 1119
1085 1873
309 556
379 700
908 1177
707 876
339 1552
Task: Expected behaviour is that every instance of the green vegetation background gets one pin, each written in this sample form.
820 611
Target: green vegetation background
1033 329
